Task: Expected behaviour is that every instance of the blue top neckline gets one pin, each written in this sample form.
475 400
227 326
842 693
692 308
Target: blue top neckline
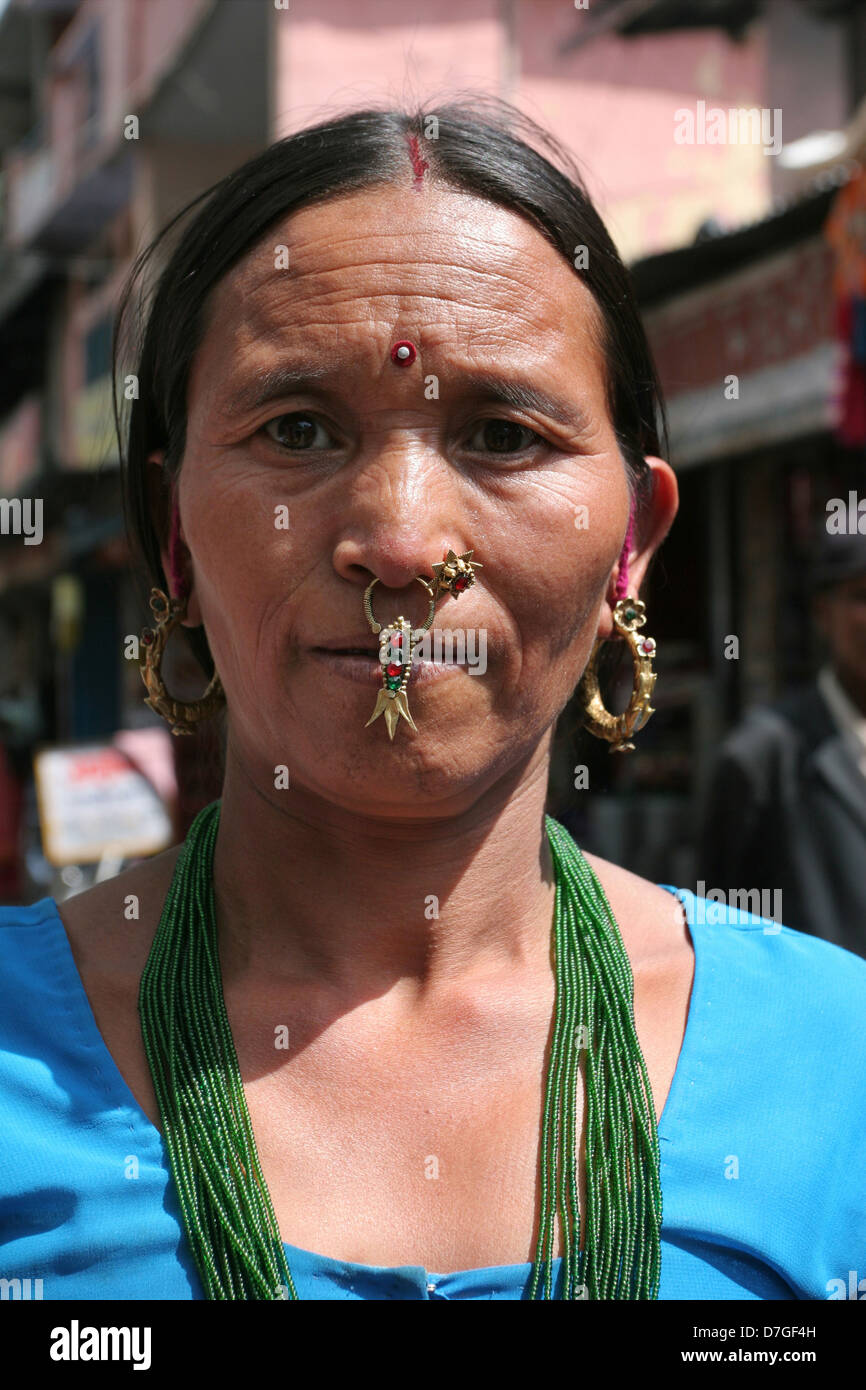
311 1258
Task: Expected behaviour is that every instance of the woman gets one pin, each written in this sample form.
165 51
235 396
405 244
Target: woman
393 373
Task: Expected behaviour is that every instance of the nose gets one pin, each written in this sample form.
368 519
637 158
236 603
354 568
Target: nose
398 523
394 561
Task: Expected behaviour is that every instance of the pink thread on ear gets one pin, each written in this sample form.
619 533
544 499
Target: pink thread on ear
621 590
177 569
419 163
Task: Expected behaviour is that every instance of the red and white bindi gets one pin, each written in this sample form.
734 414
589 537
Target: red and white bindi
404 353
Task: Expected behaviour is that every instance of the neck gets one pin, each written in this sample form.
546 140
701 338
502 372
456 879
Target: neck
307 891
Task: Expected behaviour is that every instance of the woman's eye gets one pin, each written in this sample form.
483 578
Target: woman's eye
503 437
298 432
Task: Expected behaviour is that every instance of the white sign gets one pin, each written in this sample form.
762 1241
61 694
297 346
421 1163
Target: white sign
93 801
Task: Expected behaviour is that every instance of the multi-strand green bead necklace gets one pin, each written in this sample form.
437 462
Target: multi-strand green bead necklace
226 1208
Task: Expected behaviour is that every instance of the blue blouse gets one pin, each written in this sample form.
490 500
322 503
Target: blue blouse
761 1139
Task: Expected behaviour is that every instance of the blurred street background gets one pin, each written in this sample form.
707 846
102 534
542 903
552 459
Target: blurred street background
750 268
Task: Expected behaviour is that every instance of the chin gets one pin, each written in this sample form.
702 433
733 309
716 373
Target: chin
416 776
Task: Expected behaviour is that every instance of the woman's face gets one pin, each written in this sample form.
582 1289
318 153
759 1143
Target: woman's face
314 463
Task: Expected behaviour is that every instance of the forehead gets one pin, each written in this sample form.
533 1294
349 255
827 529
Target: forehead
458 270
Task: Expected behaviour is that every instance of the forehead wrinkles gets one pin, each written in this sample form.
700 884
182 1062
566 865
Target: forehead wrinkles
439 244
453 247
481 289
466 315
379 291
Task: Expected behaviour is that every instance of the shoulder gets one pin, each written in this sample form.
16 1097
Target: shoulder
781 981
27 934
770 1097
104 934
98 921
69 980
31 938
35 990
650 919
14 918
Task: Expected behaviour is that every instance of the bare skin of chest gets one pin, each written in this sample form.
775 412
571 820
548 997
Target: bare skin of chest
385 1142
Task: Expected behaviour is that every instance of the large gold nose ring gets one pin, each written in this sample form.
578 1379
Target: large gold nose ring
397 642
368 604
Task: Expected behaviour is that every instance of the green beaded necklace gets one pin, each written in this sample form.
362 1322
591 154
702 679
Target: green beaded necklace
226 1208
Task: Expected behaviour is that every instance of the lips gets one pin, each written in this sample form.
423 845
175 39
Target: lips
349 651
366 668
355 646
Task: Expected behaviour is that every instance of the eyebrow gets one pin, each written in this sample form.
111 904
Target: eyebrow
524 396
506 390
270 385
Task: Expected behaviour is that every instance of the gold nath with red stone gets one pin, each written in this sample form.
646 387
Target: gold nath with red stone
397 641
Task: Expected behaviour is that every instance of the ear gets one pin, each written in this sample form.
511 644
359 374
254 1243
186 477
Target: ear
651 526
162 505
654 522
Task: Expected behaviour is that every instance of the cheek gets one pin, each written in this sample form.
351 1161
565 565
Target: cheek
246 565
239 529
556 561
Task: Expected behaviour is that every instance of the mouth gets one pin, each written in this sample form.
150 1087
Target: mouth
362 664
353 644
349 651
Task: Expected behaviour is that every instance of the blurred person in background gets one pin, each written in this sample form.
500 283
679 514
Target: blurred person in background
787 801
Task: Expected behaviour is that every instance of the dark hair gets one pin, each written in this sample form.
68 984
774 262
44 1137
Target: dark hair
480 145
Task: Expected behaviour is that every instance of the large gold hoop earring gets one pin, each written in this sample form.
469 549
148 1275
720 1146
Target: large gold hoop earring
182 716
628 616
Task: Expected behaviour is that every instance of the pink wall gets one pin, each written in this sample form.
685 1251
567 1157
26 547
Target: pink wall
612 102
336 54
